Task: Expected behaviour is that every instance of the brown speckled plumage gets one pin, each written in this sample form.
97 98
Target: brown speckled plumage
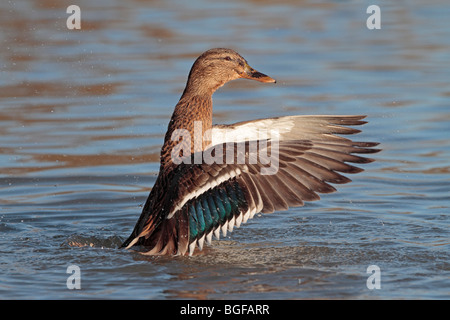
188 110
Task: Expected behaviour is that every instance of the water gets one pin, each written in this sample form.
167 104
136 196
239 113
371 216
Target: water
82 119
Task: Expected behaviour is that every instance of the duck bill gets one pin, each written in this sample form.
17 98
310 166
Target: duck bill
250 73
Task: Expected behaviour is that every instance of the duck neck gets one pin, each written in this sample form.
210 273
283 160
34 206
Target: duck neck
188 128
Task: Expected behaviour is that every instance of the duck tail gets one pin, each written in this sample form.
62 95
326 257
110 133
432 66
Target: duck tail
162 236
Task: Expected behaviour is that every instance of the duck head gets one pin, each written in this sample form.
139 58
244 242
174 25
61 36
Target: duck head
216 67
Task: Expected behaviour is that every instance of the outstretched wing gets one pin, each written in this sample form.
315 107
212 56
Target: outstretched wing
263 175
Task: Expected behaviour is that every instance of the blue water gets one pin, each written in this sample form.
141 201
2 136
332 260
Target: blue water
82 119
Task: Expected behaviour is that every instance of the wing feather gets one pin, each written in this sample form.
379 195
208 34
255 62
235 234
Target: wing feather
205 199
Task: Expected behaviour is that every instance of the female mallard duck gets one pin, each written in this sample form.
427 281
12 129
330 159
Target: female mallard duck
213 178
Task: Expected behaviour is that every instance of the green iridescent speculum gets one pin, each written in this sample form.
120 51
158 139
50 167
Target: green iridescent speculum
213 208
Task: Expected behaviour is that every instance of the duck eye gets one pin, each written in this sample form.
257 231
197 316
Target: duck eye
227 58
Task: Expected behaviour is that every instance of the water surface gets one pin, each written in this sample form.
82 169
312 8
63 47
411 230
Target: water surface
82 119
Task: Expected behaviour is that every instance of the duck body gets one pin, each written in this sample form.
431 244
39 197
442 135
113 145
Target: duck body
213 178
